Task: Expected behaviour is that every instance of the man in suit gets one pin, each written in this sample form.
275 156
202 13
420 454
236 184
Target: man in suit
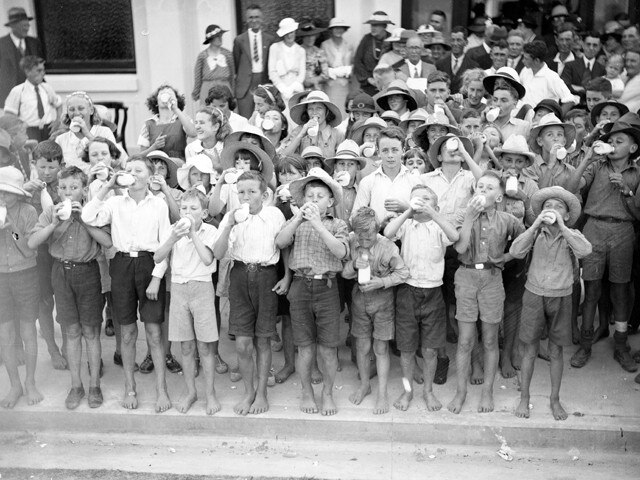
563 40
515 40
482 53
250 54
13 48
577 74
456 63
412 65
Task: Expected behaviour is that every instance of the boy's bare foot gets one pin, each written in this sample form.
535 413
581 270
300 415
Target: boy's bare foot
382 404
433 404
403 401
130 400
243 407
486 402
12 398
284 373
328 405
316 376
557 410
455 406
516 361
185 404
259 405
162 402
33 395
308 403
213 405
506 369
58 361
357 396
477 374
522 410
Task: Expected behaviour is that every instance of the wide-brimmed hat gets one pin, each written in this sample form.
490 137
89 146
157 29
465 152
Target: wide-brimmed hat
396 35
362 102
297 97
434 150
227 157
629 123
438 39
11 181
172 165
426 30
379 17
617 35
569 199
338 22
312 151
418 115
267 146
212 32
201 162
477 25
504 73
358 131
308 28
297 186
516 144
420 136
347 150
597 109
498 33
286 25
16 14
550 120
550 105
397 87
316 96
390 116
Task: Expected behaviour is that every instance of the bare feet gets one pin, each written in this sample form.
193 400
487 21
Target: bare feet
58 361
308 403
130 400
557 410
486 402
382 404
316 376
213 405
507 369
403 401
357 396
522 410
455 406
186 402
433 404
243 407
259 405
284 373
477 374
162 402
516 360
328 405
12 398
33 395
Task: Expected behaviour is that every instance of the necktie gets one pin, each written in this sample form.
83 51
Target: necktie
40 105
456 65
256 56
21 48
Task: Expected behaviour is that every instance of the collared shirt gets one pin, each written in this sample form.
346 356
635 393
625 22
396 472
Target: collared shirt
604 198
456 63
13 258
489 236
135 227
73 147
544 176
589 63
186 264
23 102
452 195
546 84
377 187
515 206
254 240
415 70
18 42
237 122
255 37
551 270
310 255
515 126
70 239
384 259
195 147
423 248
327 139
513 62
562 63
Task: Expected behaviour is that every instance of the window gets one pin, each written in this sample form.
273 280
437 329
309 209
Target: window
320 11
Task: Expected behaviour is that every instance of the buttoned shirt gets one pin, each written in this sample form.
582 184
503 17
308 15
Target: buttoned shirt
544 176
415 70
384 259
186 264
452 195
515 206
456 63
255 37
545 84
18 42
604 198
515 126
23 102
327 140
13 258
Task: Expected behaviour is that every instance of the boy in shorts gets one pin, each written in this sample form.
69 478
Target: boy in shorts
373 303
420 308
547 299
320 244
192 313
74 247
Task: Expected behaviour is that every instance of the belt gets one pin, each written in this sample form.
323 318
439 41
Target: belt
329 279
68 264
253 267
135 254
480 266
611 220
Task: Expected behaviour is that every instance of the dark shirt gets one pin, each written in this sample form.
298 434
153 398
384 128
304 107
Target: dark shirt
604 199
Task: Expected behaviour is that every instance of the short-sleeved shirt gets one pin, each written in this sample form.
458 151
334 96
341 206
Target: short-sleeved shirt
515 126
604 198
384 259
452 195
544 176
186 264
23 102
327 140
13 258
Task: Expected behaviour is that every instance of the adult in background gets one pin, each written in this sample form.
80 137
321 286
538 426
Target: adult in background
438 20
457 62
214 66
631 37
563 55
369 51
412 66
631 93
578 73
315 58
251 58
13 47
515 40
287 61
339 54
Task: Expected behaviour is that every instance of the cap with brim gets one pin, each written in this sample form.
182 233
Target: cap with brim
316 96
420 136
347 150
16 14
434 150
418 115
286 25
267 146
201 162
227 157
490 80
518 145
390 116
212 32
550 120
357 133
559 11
11 181
550 105
338 23
379 18
438 39
172 165
397 87
363 102
478 25
597 110
569 199
629 123
307 29
297 186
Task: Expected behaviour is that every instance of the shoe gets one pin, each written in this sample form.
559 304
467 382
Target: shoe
172 364
117 360
109 330
221 365
101 367
95 397
623 357
442 369
74 398
235 375
147 365
580 358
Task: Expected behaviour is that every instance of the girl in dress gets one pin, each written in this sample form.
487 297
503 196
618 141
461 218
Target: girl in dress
214 66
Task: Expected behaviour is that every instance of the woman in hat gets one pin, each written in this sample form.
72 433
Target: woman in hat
438 47
398 98
287 67
434 127
369 50
317 68
339 54
214 66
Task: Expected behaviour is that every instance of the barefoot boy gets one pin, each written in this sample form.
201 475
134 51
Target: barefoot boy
373 305
192 313
251 244
74 247
320 244
479 290
420 309
547 297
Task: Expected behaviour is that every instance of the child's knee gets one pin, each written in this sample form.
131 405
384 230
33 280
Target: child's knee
205 348
90 333
244 346
429 353
380 347
188 348
555 351
465 344
363 345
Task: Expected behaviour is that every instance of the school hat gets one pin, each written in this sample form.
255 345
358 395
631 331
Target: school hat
338 23
308 28
297 186
551 105
550 120
212 32
362 102
379 18
11 181
420 136
358 131
629 123
347 150
201 162
597 109
504 73
16 14
172 165
316 96
434 150
286 25
267 146
227 157
397 87
569 199
419 114
516 144
390 116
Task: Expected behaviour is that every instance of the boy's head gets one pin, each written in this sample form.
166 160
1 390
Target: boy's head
141 168
48 157
546 107
597 90
313 157
11 191
317 187
438 84
72 184
491 186
428 196
549 132
365 226
580 120
505 96
389 143
624 136
33 68
318 192
470 122
193 202
608 111
446 150
559 200
252 189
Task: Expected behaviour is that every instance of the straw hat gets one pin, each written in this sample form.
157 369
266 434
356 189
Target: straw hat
297 98
569 199
426 30
227 157
420 136
396 35
434 151
505 73
312 151
212 32
11 181
419 114
297 186
338 22
516 144
201 162
172 165
379 18
390 116
347 150
438 39
267 146
286 25
597 109
16 14
358 132
550 120
397 87
316 96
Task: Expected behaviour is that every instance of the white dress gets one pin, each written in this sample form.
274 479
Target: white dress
340 60
287 68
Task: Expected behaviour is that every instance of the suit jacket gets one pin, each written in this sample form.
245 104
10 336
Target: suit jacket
576 73
242 58
444 65
480 56
425 68
10 72
520 65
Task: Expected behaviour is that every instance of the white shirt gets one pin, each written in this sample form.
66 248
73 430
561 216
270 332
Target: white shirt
562 63
237 122
135 227
18 42
72 146
186 264
452 195
256 67
513 62
414 70
545 84
195 147
22 101
588 63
